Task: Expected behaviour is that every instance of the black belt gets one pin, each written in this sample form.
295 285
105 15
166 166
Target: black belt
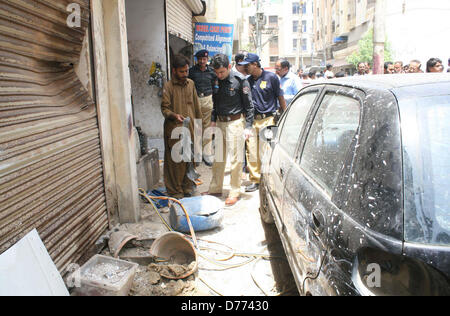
229 118
204 95
260 116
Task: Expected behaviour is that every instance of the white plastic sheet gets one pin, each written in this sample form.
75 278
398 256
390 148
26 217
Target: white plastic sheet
26 269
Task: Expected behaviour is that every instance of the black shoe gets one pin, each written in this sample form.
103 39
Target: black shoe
252 188
207 162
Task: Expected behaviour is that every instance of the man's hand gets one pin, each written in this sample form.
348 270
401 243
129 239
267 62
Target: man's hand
213 124
178 118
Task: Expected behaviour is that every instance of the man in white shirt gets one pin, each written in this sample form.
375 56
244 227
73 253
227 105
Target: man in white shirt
239 69
329 74
290 83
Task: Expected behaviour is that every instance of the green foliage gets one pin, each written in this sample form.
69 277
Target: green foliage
365 51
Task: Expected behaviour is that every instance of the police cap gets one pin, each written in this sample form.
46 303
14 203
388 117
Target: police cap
202 53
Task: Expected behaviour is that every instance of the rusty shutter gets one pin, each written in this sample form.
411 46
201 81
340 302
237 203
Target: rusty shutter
51 175
179 20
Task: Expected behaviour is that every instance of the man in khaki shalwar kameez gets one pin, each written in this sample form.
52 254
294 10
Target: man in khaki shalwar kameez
180 101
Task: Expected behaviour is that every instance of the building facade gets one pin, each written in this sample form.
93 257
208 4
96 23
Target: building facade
338 27
413 29
287 31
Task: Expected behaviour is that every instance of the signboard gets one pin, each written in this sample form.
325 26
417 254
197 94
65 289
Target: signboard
215 38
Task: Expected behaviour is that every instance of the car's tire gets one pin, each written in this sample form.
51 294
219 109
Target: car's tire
264 209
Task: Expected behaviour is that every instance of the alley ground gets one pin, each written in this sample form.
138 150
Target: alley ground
266 273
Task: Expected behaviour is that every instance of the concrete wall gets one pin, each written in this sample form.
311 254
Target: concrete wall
113 92
146 27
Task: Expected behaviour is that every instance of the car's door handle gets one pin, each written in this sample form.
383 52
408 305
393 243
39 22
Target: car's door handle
317 221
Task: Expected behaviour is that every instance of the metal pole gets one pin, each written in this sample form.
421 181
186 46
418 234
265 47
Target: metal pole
258 29
379 37
301 31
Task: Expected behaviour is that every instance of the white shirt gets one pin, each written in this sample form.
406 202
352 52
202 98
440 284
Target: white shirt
329 74
291 85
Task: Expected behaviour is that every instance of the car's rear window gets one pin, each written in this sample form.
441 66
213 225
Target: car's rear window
426 145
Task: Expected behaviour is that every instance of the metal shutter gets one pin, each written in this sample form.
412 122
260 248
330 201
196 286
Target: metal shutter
179 18
51 175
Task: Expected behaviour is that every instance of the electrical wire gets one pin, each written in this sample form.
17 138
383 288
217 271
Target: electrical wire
254 279
157 211
164 198
198 182
253 257
210 287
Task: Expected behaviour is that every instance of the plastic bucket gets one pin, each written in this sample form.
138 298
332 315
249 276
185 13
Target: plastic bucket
175 247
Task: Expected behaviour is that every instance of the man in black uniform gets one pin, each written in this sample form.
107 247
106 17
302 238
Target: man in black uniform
205 80
233 114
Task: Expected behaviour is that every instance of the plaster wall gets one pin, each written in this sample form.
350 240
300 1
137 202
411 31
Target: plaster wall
146 28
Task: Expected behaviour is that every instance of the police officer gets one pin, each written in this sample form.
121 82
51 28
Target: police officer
205 80
233 115
267 98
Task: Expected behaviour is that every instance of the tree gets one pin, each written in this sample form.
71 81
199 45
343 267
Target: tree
365 51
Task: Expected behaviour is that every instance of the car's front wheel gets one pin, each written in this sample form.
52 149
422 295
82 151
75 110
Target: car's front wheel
264 209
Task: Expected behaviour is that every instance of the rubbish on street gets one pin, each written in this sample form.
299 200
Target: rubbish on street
181 257
205 213
118 240
159 203
105 276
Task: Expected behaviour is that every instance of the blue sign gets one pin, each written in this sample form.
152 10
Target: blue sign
215 38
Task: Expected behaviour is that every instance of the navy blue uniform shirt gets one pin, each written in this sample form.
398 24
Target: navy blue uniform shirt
265 91
233 97
204 80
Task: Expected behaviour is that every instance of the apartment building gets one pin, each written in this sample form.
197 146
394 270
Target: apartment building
297 33
287 33
338 27
414 29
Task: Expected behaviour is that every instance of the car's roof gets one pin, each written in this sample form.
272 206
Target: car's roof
412 85
391 82
396 81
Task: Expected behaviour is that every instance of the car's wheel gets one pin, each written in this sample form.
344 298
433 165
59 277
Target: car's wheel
264 209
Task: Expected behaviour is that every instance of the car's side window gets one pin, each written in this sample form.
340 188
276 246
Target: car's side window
329 140
294 122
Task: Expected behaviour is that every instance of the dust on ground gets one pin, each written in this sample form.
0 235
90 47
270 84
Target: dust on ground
249 259
148 282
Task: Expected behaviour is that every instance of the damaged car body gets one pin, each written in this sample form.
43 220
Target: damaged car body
357 171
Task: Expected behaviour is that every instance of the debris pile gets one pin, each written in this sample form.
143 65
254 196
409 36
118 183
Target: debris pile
166 264
171 271
106 272
150 282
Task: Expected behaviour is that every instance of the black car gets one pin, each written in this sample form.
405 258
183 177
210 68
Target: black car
357 180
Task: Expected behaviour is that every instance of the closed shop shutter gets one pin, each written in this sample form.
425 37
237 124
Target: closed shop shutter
179 17
51 175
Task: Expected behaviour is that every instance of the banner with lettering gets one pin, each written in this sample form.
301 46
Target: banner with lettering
215 38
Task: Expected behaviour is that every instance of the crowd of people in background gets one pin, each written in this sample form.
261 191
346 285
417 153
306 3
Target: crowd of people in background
434 65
